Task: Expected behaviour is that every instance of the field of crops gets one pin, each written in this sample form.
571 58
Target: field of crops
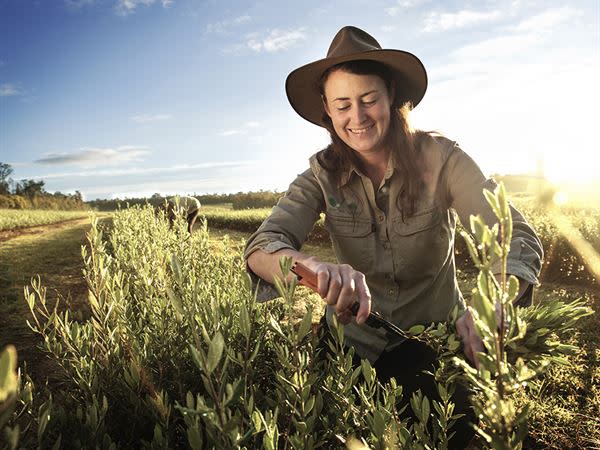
173 352
15 218
561 262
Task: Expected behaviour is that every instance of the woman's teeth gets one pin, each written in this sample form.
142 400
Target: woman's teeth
360 130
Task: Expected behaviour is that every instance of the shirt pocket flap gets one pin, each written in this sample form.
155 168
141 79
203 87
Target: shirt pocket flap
421 221
346 226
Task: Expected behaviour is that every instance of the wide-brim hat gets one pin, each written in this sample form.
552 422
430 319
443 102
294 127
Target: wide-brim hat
351 44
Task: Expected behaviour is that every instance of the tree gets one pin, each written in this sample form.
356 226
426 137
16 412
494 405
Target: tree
5 171
30 188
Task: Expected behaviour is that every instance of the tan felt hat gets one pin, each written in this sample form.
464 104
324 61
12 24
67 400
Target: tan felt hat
351 44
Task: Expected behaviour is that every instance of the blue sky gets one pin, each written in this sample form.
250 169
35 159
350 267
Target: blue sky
132 97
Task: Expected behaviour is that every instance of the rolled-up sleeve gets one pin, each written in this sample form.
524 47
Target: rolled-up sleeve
465 184
287 226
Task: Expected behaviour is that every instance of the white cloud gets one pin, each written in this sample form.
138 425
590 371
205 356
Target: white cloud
92 157
222 26
231 132
403 4
243 130
126 7
436 21
130 171
548 19
10 89
497 47
144 118
276 40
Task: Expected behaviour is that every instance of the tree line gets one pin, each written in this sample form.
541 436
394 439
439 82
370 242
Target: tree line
31 194
239 200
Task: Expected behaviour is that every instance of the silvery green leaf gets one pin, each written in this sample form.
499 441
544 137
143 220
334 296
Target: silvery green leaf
8 376
471 247
215 351
416 329
194 438
425 410
493 202
176 302
176 266
513 288
245 324
305 324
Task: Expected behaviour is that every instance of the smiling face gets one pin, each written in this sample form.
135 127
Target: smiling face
359 108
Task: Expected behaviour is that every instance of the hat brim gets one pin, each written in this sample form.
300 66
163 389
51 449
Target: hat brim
302 87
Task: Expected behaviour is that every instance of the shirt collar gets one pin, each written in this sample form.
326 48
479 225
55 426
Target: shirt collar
347 175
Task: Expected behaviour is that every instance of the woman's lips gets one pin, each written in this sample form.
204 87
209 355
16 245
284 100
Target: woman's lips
359 131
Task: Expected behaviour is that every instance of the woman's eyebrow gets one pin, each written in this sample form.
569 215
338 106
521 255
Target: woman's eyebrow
348 98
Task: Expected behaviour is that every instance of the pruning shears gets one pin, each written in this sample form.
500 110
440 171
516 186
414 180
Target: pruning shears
308 278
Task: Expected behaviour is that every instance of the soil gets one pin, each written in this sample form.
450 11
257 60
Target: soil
53 252
38 229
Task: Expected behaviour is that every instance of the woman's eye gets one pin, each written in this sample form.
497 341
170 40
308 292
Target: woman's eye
343 108
370 102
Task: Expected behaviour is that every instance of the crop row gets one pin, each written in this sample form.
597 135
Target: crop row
176 353
561 263
13 218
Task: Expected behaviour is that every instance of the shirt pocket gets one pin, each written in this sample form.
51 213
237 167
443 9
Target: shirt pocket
352 239
421 242
421 221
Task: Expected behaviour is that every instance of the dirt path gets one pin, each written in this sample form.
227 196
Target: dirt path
38 229
54 252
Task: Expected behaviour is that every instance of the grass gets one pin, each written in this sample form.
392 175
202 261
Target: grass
54 255
565 403
11 219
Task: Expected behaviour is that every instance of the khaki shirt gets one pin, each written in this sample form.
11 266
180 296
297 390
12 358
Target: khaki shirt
408 264
186 203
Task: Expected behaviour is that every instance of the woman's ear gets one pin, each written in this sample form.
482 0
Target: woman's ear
325 106
392 93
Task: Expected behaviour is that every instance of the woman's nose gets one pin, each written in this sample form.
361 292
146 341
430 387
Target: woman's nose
359 114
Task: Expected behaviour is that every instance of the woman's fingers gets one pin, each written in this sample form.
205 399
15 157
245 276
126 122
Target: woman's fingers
341 286
323 277
335 286
470 339
345 317
346 297
363 298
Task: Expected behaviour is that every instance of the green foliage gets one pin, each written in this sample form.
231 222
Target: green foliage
177 353
561 263
530 334
57 201
252 200
17 407
240 200
12 219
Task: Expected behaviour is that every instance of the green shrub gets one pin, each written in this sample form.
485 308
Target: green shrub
177 353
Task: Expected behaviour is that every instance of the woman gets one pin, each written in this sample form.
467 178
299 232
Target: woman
389 195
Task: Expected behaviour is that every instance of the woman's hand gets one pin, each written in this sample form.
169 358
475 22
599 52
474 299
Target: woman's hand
341 285
472 343
465 327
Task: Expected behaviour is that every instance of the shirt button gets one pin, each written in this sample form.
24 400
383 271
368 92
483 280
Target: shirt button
384 190
380 217
386 245
391 292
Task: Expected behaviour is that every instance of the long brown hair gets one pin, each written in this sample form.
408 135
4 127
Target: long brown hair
338 157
